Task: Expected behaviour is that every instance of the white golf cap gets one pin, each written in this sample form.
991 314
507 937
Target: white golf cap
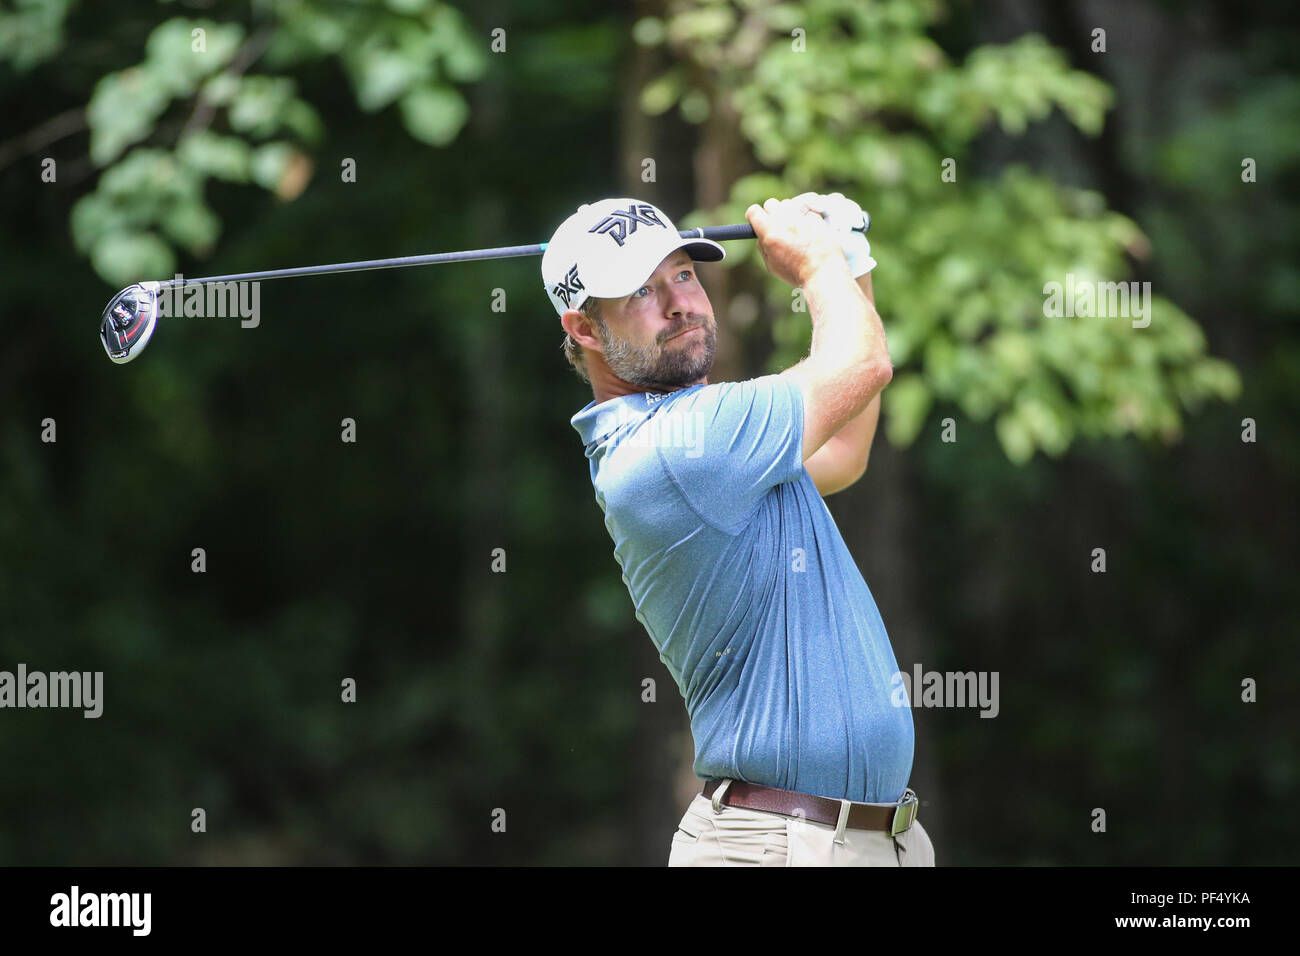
608 249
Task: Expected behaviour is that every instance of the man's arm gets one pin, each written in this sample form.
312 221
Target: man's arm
843 459
848 363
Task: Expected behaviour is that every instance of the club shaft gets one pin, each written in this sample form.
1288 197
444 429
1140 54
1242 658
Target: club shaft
716 233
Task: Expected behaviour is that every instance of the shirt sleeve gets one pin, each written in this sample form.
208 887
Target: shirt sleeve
740 440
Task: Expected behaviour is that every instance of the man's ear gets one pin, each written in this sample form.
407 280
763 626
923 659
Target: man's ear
581 329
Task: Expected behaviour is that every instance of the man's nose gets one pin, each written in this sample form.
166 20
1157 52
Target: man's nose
678 300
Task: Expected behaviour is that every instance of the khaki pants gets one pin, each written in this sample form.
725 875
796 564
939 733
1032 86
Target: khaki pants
735 836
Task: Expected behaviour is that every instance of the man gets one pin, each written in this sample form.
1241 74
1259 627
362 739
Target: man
712 495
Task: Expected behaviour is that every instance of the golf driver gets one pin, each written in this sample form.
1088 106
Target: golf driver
128 321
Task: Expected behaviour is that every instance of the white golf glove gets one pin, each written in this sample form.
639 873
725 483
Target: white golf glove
849 223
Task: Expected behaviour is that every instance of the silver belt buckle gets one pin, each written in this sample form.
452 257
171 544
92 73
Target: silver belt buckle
904 813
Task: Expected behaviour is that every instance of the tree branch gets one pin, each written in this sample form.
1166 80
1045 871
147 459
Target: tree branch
53 129
205 109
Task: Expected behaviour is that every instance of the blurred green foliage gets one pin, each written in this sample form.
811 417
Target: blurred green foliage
153 200
838 95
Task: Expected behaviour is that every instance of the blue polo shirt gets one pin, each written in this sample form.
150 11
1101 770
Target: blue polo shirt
742 580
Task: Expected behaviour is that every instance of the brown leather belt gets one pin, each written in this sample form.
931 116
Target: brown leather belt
893 818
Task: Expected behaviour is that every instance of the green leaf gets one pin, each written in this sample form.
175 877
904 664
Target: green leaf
122 258
258 106
464 57
1017 442
180 52
695 107
225 157
701 24
382 76
301 119
649 31
123 110
660 94
906 402
269 164
33 33
434 114
92 216
221 89
193 225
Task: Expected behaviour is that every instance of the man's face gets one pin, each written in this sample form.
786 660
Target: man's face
663 335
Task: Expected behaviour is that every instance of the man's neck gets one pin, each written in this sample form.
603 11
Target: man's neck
603 390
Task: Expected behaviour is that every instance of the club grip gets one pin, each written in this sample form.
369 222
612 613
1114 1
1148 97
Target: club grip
742 231
720 233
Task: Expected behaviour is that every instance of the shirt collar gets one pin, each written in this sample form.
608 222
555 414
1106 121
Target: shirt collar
596 422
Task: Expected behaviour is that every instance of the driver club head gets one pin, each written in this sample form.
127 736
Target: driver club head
128 321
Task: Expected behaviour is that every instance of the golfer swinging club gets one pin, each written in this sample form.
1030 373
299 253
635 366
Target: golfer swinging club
712 495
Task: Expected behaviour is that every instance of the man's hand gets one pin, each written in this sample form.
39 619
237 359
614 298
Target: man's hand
794 240
849 224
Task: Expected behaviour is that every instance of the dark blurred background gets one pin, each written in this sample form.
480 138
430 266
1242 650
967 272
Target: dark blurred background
521 690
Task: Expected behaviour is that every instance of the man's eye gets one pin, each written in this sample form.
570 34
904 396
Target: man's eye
685 272
637 294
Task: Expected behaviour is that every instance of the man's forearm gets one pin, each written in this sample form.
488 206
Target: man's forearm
846 330
842 460
855 438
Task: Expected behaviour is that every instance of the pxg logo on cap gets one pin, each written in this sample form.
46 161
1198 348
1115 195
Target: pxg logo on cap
621 223
569 286
609 248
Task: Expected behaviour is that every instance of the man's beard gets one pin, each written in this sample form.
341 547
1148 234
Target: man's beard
664 365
